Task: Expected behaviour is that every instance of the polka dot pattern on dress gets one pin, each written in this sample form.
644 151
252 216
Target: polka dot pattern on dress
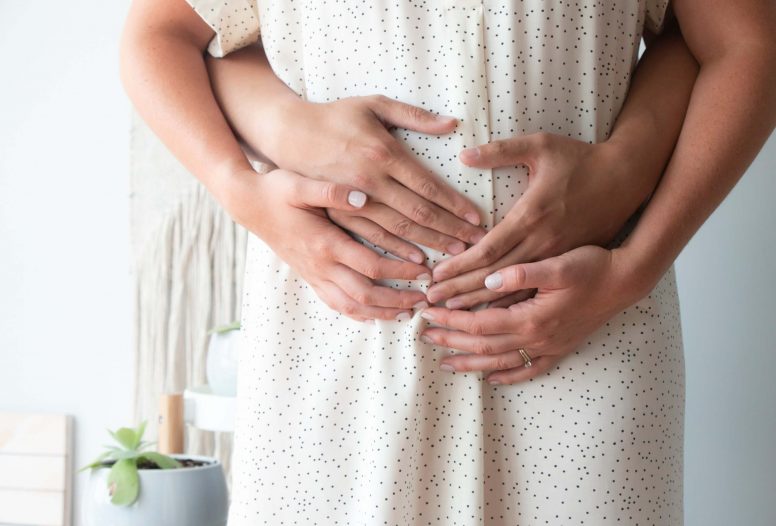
343 423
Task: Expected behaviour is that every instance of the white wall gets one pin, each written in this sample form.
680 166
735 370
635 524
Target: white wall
65 304
727 286
65 296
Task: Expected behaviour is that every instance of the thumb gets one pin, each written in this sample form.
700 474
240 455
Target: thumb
323 194
538 275
412 117
507 152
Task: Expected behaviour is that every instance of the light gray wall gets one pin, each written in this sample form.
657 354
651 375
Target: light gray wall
727 289
65 293
65 303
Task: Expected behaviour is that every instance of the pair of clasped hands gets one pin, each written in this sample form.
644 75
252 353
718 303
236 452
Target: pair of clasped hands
541 271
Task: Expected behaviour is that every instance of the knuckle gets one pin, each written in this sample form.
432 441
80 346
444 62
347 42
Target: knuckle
534 328
429 189
542 140
475 328
378 237
362 181
371 270
415 112
501 363
488 252
362 296
485 348
320 246
403 227
422 214
376 152
497 149
329 192
348 309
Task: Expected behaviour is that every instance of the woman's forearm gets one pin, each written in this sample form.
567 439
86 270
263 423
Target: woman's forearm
164 73
732 112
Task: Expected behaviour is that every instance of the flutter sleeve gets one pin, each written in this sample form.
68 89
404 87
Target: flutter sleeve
655 14
236 23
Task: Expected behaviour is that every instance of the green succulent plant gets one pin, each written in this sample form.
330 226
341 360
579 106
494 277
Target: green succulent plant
123 479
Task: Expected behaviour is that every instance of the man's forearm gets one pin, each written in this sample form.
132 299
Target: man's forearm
251 95
649 123
732 112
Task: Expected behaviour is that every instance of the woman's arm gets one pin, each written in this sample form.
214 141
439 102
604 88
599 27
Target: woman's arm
347 141
163 70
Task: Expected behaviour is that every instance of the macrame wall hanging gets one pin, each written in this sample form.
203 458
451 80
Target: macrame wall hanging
188 261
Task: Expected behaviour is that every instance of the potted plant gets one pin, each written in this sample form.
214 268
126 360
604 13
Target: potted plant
132 486
221 367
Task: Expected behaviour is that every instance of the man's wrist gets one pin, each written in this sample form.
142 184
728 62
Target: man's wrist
638 270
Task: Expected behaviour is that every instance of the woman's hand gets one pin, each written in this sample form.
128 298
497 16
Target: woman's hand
577 293
348 142
578 194
339 269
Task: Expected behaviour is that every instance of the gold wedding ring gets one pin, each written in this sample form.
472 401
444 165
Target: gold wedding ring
526 358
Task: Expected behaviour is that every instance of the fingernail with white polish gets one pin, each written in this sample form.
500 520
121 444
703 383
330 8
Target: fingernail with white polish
426 315
424 277
402 316
420 305
472 218
447 367
494 382
494 281
356 198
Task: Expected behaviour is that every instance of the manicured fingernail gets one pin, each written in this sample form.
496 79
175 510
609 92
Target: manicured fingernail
454 303
470 154
494 382
456 248
424 277
370 322
472 218
402 316
356 198
494 281
420 305
417 258
426 339
426 315
432 295
446 367
446 118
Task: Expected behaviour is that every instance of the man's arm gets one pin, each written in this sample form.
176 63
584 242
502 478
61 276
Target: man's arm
731 114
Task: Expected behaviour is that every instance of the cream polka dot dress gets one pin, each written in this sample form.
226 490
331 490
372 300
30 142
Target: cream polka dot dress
344 423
